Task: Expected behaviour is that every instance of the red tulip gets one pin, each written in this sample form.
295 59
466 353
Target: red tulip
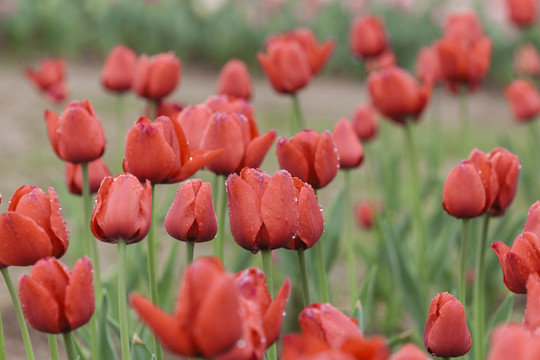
123 210
365 122
307 347
513 341
373 348
32 228
49 78
234 80
206 321
410 351
119 69
97 170
170 109
483 162
193 120
366 212
76 135
446 333
191 216
531 320
427 65
262 209
380 62
349 147
229 105
311 157
463 26
367 37
524 100
522 12
527 60
56 300
156 76
397 95
506 167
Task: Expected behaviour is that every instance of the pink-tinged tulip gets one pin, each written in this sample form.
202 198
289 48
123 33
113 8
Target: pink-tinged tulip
463 26
307 347
506 167
350 150
410 351
533 219
49 78
309 156
380 62
156 76
97 171
427 65
527 60
229 105
32 228
522 13
262 209
191 216
56 300
123 210
524 100
234 80
367 37
119 69
397 95
76 135
531 320
513 341
239 138
162 139
206 321
446 333
193 120
365 122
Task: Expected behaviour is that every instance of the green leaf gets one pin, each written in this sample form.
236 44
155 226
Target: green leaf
169 277
358 314
105 343
139 350
367 295
503 312
332 229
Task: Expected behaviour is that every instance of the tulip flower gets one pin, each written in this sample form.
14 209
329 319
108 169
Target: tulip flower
527 60
410 351
349 147
119 69
234 80
307 347
76 135
97 171
533 219
365 122
229 105
506 167
531 320
49 78
171 109
309 156
367 37
463 26
524 100
56 300
427 65
193 120
123 210
446 333
365 213
380 62
156 76
206 321
522 13
32 228
513 341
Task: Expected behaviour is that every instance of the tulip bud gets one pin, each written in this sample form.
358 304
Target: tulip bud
156 76
49 78
463 26
522 13
527 60
229 105
234 80
365 122
97 171
532 224
427 65
367 37
524 100
193 121
506 167
349 147
119 68
366 212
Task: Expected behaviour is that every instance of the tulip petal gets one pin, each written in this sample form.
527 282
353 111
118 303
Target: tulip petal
52 120
79 303
367 348
204 213
326 162
257 149
60 240
291 159
38 305
310 219
273 317
199 159
181 215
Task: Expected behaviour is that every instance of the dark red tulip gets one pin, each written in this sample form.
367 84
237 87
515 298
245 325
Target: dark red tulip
56 300
309 156
191 216
49 78
234 80
446 333
230 105
427 65
397 95
206 320
367 37
76 135
97 171
262 209
506 167
531 320
513 341
522 12
410 351
527 60
350 150
123 210
32 228
524 100
193 120
119 69
380 62
365 122
157 76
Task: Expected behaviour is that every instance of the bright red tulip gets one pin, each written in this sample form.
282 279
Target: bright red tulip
410 351
123 210
513 341
157 76
262 209
234 80
524 100
506 167
365 122
119 69
350 150
527 60
446 333
206 321
193 120
427 65
367 37
191 216
56 300
76 135
309 156
32 228
49 78
531 320
97 171
229 105
522 12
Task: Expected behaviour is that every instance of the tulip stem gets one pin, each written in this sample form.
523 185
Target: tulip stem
463 264
20 316
2 341
465 126
267 268
190 247
152 109
303 276
68 344
122 300
53 347
349 241
120 132
221 200
298 122
478 292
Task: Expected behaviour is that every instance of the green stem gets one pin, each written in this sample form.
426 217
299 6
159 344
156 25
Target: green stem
222 201
323 281
465 126
152 109
478 292
303 276
533 135
267 268
20 317
2 342
463 264
120 131
53 347
122 300
68 343
298 124
349 241
190 247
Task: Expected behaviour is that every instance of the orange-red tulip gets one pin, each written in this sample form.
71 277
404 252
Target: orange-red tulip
367 37
531 320
513 341
49 78
350 150
123 210
410 351
527 60
524 100
229 105
156 76
76 135
506 167
191 216
365 122
193 120
446 333
32 228
234 80
427 65
97 171
56 300
206 321
522 12
119 69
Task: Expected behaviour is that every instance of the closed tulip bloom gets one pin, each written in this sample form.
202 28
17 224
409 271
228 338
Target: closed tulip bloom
531 320
191 216
365 213
32 228
463 26
262 209
193 120
123 210
484 164
365 122
524 100
410 351
367 37
522 12
309 156
308 347
229 105
156 76
397 95
49 78
206 321
234 80
527 60
533 219
427 65
97 171
56 300
446 333
513 341
119 69
506 167
350 150
76 135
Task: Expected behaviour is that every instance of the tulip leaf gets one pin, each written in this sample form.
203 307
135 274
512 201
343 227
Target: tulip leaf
358 314
367 295
139 350
332 229
168 278
502 314
106 347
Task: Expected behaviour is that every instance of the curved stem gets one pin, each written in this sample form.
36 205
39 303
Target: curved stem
267 268
68 343
122 300
120 131
304 276
349 241
298 124
478 292
2 341
20 316
53 347
190 247
463 264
